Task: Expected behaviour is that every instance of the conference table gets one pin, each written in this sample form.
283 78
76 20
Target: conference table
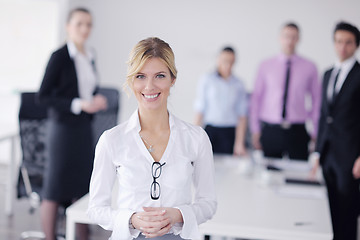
255 202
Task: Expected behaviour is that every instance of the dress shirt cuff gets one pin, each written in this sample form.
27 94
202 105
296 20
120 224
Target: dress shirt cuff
176 228
313 158
121 230
190 228
76 106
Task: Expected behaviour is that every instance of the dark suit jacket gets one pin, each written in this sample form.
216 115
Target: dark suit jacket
339 124
60 86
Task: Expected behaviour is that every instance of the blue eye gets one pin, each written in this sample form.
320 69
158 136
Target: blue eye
160 76
140 76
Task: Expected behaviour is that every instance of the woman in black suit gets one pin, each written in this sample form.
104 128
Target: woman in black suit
69 91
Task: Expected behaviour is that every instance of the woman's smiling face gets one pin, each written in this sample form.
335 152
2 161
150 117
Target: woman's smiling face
151 85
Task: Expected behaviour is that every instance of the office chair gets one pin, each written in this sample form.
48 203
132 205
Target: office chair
32 126
107 119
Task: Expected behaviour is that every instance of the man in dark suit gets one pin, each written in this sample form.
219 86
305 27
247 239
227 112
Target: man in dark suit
339 133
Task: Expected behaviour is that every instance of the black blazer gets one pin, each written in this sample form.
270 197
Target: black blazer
59 87
339 123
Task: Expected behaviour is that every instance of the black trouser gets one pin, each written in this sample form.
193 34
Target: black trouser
343 193
278 141
221 138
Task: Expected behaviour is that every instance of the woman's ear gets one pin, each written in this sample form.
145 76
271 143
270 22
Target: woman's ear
173 81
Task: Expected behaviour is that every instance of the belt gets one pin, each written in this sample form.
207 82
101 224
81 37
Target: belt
283 125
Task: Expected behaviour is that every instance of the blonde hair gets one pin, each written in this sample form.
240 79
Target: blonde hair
152 47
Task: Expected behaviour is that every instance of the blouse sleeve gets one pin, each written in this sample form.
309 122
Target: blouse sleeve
205 203
256 101
101 186
241 106
315 90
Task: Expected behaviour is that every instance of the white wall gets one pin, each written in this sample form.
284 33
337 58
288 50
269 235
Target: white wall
29 31
197 30
28 35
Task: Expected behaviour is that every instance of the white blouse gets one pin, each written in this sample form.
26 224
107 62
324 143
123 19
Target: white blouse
86 75
122 156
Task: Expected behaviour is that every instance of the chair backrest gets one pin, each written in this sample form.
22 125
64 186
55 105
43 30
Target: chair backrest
32 126
107 119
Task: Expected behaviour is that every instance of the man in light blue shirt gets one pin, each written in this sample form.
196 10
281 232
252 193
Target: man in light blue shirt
221 106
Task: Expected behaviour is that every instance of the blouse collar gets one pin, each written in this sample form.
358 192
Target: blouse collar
134 122
73 51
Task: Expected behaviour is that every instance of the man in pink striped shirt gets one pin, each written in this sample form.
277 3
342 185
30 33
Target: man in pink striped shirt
279 108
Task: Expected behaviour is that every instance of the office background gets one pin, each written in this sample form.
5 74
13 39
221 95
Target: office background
31 29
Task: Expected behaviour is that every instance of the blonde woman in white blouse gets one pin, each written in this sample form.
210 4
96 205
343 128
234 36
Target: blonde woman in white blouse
155 157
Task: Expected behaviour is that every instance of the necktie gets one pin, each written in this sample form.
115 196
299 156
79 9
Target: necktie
288 65
334 87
